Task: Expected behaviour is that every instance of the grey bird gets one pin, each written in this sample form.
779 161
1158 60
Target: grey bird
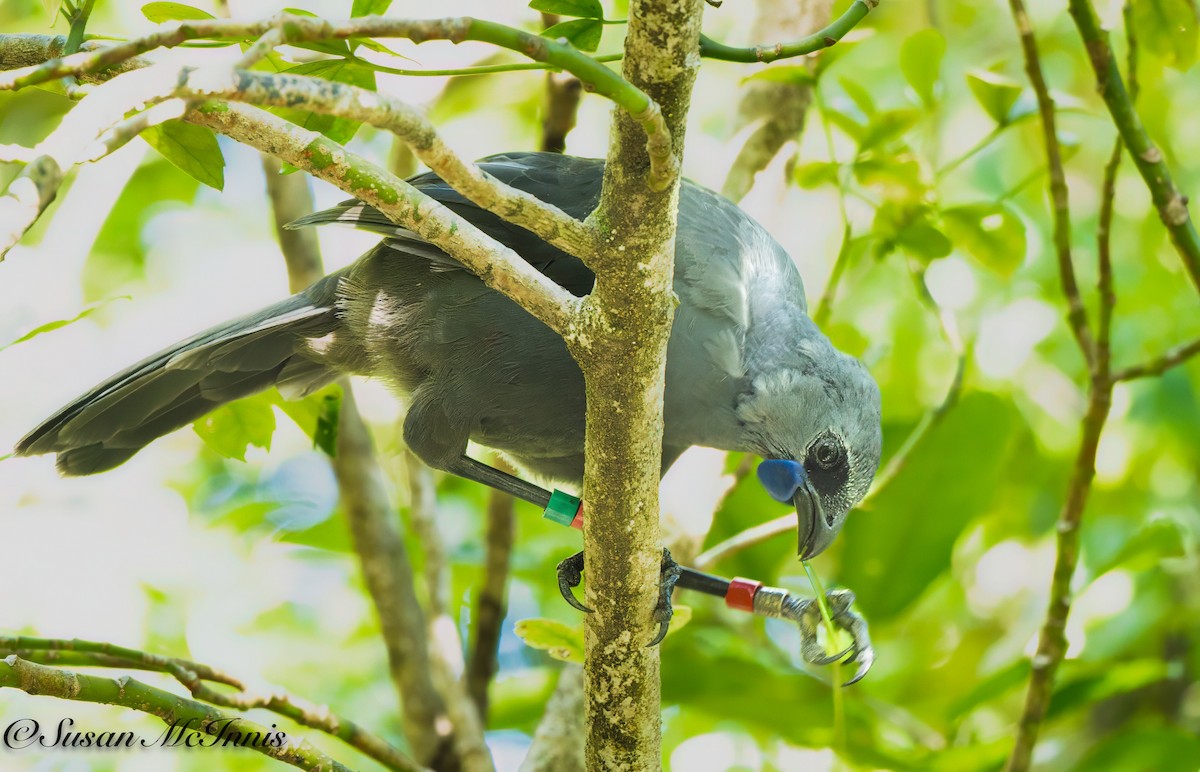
747 369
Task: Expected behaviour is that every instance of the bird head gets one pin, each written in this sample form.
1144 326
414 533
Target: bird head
815 418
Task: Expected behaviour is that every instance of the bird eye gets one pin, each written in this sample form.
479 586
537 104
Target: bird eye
828 453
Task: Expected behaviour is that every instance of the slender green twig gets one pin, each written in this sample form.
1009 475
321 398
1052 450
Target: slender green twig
295 29
711 49
832 645
79 19
1170 203
1159 365
482 69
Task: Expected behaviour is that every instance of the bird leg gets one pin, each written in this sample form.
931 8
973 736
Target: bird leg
742 594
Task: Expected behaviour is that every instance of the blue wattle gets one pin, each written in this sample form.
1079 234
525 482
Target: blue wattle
781 478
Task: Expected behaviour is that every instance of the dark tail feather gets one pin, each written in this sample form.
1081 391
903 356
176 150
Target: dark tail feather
164 392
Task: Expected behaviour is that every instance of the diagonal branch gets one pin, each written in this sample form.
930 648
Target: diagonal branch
1170 203
1159 365
179 713
1076 313
191 675
381 553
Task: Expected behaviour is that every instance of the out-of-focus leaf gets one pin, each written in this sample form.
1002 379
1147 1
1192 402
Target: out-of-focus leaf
995 93
193 149
1159 749
886 126
347 71
796 74
1161 535
231 429
921 60
1105 681
60 323
847 123
859 95
897 175
584 34
1167 28
317 415
991 233
580 9
894 550
991 687
561 641
369 7
924 240
160 12
815 174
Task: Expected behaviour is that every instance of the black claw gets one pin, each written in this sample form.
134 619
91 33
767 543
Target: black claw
666 585
829 659
570 574
662 633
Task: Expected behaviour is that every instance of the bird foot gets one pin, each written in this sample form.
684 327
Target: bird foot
570 574
807 615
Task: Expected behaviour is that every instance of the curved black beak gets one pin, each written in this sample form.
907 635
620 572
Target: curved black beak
814 531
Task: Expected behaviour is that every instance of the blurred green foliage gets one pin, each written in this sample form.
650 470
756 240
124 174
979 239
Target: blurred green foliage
923 134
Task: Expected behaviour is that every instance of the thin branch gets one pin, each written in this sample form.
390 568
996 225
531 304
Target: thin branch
296 29
825 38
178 713
380 550
1159 365
491 604
385 112
446 657
560 105
1170 203
191 675
1076 314
779 108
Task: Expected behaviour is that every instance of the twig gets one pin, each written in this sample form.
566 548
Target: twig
380 550
1076 313
780 108
1159 365
825 38
1170 203
385 112
175 711
445 652
492 599
295 29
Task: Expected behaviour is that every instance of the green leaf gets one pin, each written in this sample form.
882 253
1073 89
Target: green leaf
891 552
191 148
816 174
796 74
898 175
348 71
992 233
887 126
561 641
333 47
995 93
160 12
859 95
232 428
325 434
584 34
1167 28
921 56
55 325
369 7
317 415
579 9
924 240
